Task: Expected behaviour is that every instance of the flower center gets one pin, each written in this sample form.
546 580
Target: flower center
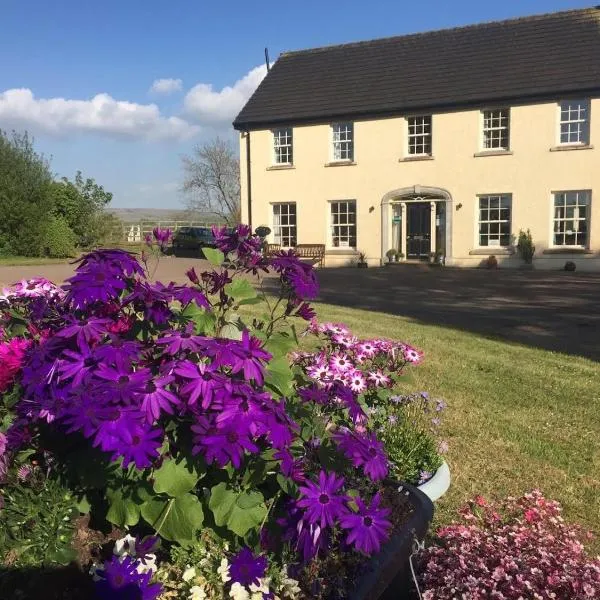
123 380
232 437
135 440
150 387
324 499
245 570
119 580
372 452
368 521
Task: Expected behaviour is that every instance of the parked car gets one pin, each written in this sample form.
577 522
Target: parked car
192 239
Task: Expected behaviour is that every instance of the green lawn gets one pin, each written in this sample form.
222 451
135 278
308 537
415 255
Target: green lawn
9 261
518 417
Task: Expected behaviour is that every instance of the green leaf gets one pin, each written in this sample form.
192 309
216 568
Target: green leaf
175 478
231 331
279 344
238 511
214 256
250 301
175 519
122 511
83 505
240 289
279 376
204 320
287 485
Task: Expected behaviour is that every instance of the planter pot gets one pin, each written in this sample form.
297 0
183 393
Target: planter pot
438 485
362 265
387 576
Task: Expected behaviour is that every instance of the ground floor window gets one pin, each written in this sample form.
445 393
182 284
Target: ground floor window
284 224
343 224
571 214
494 220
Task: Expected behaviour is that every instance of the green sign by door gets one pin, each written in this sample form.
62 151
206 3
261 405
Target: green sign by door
396 219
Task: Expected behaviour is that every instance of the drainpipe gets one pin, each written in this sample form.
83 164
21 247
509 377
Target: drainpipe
249 180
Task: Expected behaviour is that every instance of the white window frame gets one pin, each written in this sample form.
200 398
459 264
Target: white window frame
283 138
410 136
479 221
575 120
342 141
494 128
331 225
576 217
278 236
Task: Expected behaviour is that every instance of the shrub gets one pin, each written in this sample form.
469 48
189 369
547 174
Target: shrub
518 548
491 262
570 266
525 246
58 239
160 410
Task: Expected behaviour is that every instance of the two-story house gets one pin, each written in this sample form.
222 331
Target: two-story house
448 141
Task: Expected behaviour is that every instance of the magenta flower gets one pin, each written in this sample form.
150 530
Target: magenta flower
120 580
202 382
138 445
178 341
321 500
12 355
368 527
246 568
156 398
364 451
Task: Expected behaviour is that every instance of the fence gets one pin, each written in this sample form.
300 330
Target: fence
135 232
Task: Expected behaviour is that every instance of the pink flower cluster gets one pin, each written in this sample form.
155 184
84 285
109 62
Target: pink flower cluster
520 548
38 287
359 364
12 354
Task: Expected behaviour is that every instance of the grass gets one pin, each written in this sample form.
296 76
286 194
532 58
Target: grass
519 418
16 261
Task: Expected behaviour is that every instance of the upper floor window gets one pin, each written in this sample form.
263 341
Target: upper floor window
419 135
496 129
343 141
575 122
571 218
283 146
494 220
284 224
343 224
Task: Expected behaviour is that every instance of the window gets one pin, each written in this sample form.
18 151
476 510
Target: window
419 135
575 122
494 220
343 224
284 224
283 145
496 124
343 141
571 214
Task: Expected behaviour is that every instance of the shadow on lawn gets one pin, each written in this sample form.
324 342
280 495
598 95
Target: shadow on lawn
552 310
51 583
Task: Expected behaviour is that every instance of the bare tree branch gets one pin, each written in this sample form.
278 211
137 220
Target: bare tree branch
212 180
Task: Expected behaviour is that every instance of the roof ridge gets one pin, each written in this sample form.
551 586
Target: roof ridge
562 13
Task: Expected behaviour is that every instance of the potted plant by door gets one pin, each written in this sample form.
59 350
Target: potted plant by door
362 260
525 248
392 255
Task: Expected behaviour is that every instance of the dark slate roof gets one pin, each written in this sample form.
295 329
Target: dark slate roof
534 57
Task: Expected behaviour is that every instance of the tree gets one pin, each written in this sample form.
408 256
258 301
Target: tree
212 180
25 202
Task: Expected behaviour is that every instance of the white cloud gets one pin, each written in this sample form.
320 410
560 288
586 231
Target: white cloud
212 107
166 86
102 114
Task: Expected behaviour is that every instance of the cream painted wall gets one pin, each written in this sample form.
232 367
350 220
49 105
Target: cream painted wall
530 174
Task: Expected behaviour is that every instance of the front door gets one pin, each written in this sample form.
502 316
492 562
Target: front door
418 230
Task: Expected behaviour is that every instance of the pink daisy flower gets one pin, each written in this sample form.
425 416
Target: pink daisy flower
347 341
412 355
335 328
367 348
379 378
340 362
357 382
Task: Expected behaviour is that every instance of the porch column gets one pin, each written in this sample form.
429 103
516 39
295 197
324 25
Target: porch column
432 235
403 230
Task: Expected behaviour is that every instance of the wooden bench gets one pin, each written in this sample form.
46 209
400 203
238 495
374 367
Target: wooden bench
315 253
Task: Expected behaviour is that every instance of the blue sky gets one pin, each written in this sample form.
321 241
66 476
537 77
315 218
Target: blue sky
79 74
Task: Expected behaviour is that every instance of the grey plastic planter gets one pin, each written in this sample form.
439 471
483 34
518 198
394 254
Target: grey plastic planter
438 485
386 576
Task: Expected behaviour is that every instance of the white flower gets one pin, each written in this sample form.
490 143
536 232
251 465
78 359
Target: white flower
290 588
223 571
263 586
189 574
146 564
239 592
125 546
197 593
256 596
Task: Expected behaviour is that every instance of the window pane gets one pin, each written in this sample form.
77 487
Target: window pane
343 224
284 224
494 222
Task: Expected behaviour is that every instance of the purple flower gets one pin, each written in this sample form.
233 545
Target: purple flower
246 568
139 445
192 276
155 398
3 443
120 580
322 503
364 451
294 469
224 445
368 527
306 311
250 358
202 382
75 366
299 276
24 472
87 331
124 386
177 341
162 236
424 476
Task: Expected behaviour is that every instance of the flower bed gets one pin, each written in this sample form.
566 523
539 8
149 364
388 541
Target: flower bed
156 409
